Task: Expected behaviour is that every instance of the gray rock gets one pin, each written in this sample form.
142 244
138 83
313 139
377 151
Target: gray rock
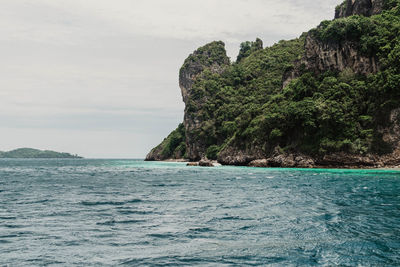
262 163
303 161
347 160
286 161
206 163
359 7
320 57
231 155
212 57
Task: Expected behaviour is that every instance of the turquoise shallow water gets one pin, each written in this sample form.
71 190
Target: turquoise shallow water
134 213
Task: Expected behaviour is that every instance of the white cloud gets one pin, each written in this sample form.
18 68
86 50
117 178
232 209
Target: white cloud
182 19
117 62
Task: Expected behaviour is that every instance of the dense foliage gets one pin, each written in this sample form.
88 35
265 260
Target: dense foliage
213 52
246 106
227 104
174 145
342 111
247 48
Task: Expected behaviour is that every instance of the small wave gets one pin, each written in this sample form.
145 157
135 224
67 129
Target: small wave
113 222
229 218
44 262
234 218
159 185
251 260
164 185
138 212
9 236
132 262
161 235
17 234
246 227
166 261
13 226
71 243
112 203
7 218
36 201
99 203
201 230
135 200
130 221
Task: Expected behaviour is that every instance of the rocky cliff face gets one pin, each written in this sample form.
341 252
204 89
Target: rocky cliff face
232 155
338 55
211 57
334 56
239 114
359 7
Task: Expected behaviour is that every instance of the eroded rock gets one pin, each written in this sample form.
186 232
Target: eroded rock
206 163
335 56
210 57
231 155
359 7
261 163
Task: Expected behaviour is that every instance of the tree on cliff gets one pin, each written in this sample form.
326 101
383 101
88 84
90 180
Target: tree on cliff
333 90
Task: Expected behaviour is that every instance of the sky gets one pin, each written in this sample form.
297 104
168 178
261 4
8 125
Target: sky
99 78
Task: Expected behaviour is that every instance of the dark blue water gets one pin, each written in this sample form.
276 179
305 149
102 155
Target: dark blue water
124 212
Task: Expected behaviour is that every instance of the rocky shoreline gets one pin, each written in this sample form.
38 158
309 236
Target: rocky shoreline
332 161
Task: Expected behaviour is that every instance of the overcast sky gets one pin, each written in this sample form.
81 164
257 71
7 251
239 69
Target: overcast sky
100 77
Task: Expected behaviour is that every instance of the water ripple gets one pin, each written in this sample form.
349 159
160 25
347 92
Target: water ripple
127 212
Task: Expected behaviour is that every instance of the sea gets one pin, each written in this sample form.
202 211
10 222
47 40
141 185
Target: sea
99 212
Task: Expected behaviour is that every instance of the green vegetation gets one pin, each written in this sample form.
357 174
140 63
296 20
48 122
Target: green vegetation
207 55
247 48
341 6
316 114
230 105
175 143
342 110
212 152
35 153
246 107
174 146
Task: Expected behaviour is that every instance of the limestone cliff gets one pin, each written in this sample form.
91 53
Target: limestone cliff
332 56
340 53
359 7
212 58
330 98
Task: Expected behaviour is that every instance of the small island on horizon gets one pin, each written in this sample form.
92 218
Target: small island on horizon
31 153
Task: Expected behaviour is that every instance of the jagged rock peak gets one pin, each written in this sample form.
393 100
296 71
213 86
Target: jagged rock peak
212 55
246 48
359 7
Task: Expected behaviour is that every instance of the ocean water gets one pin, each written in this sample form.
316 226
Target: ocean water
135 213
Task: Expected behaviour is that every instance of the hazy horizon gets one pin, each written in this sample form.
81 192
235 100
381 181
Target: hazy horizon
100 79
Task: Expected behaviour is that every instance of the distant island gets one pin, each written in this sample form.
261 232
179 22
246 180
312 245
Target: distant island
31 153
